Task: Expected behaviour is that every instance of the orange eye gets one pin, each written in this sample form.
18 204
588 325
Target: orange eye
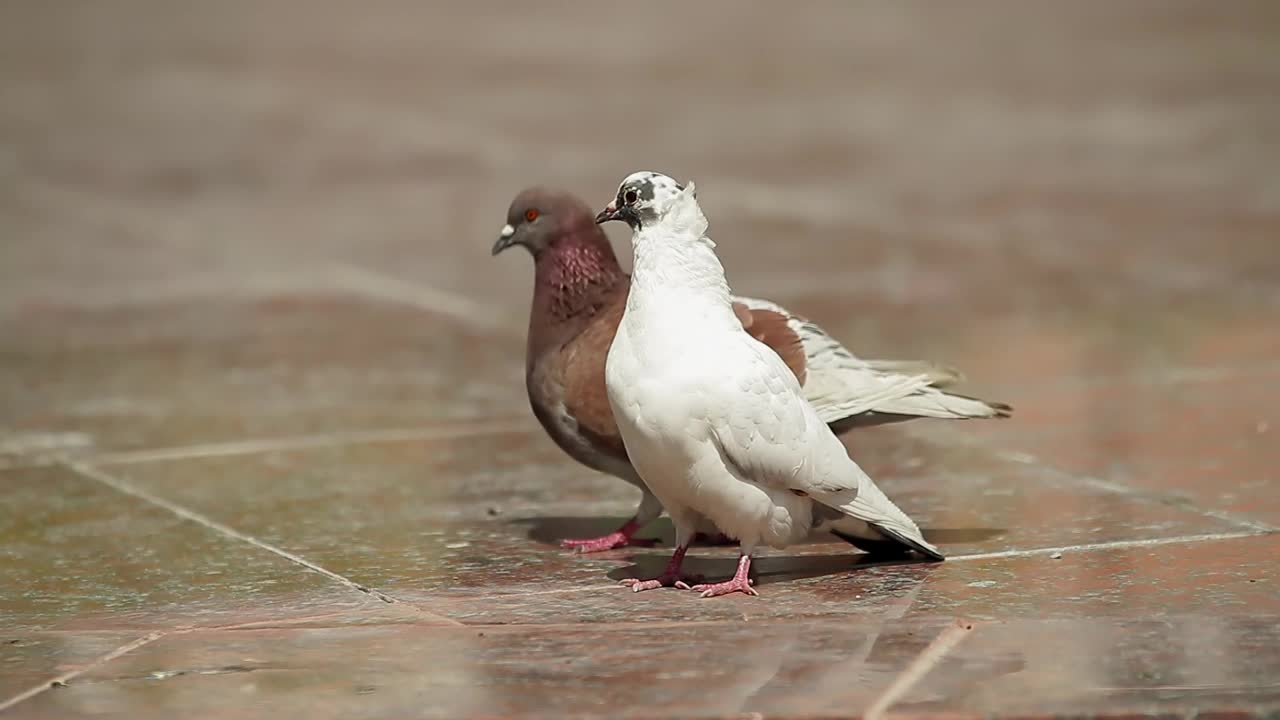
530 214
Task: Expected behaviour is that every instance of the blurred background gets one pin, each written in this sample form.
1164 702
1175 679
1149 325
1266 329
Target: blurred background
1037 192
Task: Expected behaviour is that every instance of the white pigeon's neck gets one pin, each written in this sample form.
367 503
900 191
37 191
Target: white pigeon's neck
677 267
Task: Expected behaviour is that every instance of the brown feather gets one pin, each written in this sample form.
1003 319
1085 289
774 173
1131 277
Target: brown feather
771 329
585 396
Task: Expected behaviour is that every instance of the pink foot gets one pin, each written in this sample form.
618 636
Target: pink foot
605 542
670 577
740 582
664 580
616 539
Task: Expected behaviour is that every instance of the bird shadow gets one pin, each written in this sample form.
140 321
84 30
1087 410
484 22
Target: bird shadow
550 530
765 570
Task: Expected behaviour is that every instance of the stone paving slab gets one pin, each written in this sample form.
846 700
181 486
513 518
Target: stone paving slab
77 554
791 669
213 371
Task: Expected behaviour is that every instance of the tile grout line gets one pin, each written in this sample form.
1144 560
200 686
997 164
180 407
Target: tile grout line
1052 473
1127 490
944 643
1117 544
379 286
898 608
1030 552
66 677
210 524
499 426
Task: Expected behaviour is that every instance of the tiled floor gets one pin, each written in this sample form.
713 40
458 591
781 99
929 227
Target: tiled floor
264 447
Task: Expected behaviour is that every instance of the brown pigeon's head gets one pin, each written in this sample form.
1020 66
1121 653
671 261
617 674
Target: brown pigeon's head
539 219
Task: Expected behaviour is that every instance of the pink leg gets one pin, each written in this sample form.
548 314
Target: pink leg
670 577
739 583
616 539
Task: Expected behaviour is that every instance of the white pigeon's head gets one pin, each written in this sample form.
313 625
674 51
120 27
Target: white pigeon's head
645 198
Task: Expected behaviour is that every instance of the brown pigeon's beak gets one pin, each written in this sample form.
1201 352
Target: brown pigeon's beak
610 212
506 239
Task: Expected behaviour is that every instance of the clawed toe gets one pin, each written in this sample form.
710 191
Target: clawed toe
638 585
725 588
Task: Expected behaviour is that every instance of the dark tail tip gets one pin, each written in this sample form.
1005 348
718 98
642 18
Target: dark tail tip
889 549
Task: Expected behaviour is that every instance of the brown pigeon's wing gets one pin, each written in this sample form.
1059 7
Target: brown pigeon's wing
744 315
772 329
585 396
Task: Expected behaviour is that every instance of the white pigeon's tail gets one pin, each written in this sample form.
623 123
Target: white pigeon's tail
878 540
871 522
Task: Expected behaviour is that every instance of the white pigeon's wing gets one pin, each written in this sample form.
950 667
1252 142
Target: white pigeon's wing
770 435
849 391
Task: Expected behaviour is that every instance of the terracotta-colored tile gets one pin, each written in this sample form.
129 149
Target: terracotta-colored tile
418 515
484 513
1233 575
1212 577
77 554
826 582
1108 668
1206 441
1017 355
216 371
467 527
29 659
702 670
971 499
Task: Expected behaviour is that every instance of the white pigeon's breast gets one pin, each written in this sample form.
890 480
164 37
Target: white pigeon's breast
668 395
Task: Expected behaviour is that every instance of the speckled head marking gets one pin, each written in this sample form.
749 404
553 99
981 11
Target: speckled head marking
642 198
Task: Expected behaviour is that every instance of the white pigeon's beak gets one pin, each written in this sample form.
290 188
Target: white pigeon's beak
504 239
610 212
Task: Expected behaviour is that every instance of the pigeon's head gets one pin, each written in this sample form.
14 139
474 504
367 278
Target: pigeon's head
538 218
643 198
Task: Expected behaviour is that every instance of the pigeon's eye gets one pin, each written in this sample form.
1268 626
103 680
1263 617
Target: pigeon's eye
531 214
631 197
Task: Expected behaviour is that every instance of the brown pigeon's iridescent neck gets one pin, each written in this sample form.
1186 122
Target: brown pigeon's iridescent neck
574 276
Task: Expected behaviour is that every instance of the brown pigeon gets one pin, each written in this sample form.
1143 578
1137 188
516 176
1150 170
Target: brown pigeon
578 298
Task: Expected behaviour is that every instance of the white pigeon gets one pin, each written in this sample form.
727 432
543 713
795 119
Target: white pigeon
713 420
